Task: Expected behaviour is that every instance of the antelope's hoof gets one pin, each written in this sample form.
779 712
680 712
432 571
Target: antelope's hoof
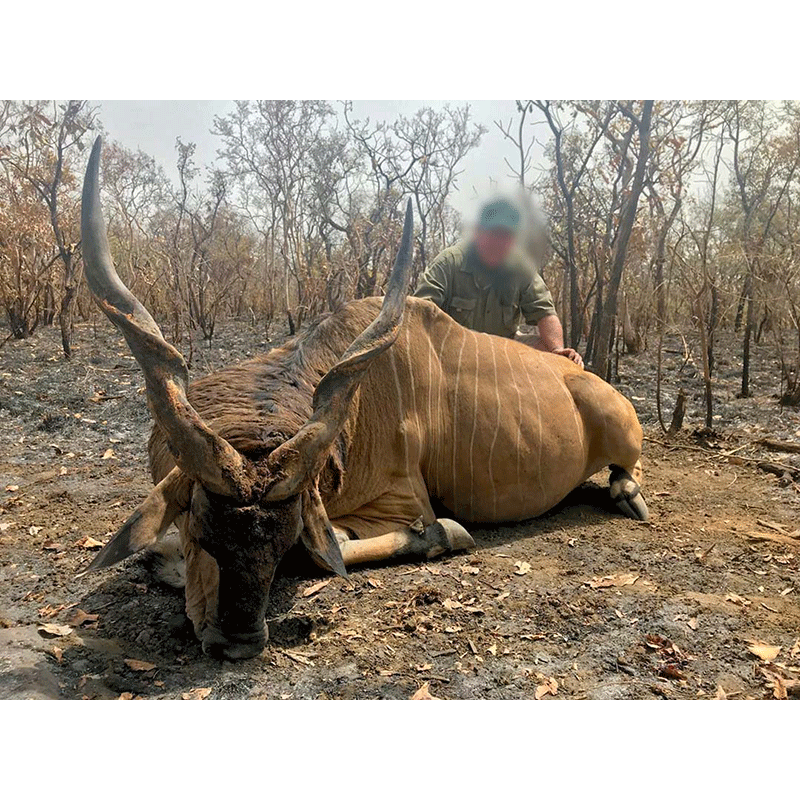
627 494
446 535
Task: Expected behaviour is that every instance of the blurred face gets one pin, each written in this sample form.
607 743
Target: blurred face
493 246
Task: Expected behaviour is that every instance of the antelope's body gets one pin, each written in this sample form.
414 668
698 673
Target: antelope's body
493 429
342 438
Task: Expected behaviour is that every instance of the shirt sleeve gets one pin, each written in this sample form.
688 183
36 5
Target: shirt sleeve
435 282
536 301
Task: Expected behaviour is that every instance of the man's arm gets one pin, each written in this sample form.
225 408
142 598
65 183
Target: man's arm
551 334
551 339
537 307
434 283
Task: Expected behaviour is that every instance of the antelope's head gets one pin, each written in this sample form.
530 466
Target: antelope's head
244 513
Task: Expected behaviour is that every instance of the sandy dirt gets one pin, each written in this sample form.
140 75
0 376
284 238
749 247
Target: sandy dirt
581 603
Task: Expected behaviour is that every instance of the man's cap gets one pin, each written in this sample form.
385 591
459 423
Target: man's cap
500 214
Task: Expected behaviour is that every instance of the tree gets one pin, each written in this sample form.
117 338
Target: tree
45 138
421 156
764 164
266 147
572 150
27 251
640 127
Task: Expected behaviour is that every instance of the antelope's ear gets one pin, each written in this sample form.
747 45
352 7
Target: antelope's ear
318 536
147 523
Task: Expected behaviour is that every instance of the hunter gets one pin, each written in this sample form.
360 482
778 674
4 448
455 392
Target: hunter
488 284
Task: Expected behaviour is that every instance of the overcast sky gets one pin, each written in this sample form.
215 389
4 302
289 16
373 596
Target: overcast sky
153 126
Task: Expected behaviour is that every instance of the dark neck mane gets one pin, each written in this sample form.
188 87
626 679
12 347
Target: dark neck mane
260 403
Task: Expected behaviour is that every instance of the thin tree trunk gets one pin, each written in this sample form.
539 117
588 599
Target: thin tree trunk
602 361
65 313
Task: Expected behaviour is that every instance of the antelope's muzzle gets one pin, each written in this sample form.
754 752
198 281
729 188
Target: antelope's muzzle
234 647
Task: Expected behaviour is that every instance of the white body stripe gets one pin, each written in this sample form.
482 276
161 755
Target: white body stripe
474 429
494 438
440 451
455 422
403 421
539 432
519 418
575 415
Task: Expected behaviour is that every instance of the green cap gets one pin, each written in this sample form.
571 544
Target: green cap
500 214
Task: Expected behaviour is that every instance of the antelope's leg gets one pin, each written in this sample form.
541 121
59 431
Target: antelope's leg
413 541
626 491
202 583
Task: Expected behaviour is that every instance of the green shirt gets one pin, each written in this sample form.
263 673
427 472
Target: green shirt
491 301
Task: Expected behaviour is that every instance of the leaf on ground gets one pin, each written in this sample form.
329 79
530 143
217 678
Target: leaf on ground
546 686
738 600
766 652
196 694
316 588
50 630
656 642
467 570
502 596
608 581
492 649
423 693
125 696
349 634
88 543
692 623
58 653
51 611
522 567
451 604
672 672
779 690
721 693
299 658
80 617
12 487
108 454
140 666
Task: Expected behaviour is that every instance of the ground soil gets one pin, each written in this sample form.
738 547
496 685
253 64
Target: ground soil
581 603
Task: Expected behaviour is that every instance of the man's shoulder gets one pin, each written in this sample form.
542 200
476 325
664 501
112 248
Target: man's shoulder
521 265
453 256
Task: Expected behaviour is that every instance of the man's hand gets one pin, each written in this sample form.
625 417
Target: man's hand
550 339
572 355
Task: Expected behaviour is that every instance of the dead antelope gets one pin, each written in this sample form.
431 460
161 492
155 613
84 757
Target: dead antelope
341 437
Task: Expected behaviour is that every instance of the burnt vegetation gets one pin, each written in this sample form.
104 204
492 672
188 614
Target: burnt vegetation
671 256
665 220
